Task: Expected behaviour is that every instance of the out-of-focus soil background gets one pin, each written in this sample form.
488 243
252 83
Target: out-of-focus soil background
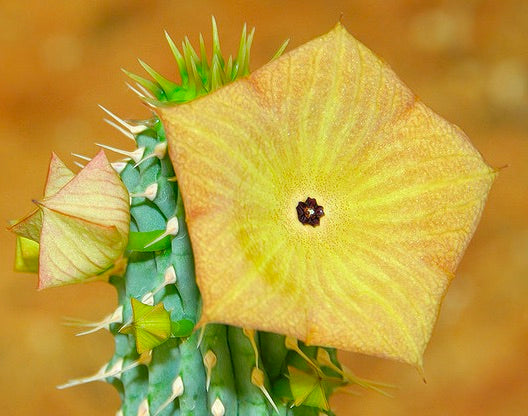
468 60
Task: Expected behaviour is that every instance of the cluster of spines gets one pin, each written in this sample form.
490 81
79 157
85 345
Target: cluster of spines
199 76
219 370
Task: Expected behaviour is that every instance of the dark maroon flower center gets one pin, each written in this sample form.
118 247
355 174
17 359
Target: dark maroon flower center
309 212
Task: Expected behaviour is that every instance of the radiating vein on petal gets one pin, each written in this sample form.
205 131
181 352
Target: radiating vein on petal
402 191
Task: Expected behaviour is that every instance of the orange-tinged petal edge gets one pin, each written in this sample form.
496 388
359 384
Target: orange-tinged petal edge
402 191
31 225
81 224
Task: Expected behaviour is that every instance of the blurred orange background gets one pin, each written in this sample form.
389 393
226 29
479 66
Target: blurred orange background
468 60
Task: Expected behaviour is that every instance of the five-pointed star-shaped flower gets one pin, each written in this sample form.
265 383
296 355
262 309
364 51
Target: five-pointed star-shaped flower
402 192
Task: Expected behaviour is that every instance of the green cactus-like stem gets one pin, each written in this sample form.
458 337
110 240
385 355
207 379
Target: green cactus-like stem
177 378
218 370
220 381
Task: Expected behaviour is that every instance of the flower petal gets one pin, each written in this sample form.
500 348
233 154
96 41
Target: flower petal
74 250
302 385
402 192
96 195
151 325
85 224
58 176
26 255
30 225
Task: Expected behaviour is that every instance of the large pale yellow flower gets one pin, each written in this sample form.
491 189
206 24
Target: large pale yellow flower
81 225
325 201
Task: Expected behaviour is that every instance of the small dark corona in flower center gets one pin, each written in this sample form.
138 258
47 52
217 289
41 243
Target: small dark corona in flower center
309 212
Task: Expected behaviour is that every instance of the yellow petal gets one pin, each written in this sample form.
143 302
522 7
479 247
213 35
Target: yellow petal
151 325
29 226
301 384
95 195
402 192
26 255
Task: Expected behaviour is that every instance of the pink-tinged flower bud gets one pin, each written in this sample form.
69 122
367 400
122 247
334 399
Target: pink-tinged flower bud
81 224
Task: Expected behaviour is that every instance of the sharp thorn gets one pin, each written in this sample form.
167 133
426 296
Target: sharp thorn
135 155
119 166
81 156
172 229
103 373
134 129
177 391
135 91
200 337
257 379
120 129
150 192
148 299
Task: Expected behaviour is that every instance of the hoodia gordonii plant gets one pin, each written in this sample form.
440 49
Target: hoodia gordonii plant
313 204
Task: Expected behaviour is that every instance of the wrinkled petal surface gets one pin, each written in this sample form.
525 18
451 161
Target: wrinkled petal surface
402 192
